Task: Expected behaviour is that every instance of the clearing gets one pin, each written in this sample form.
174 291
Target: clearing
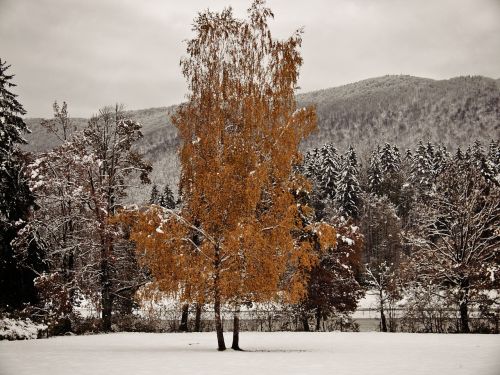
266 353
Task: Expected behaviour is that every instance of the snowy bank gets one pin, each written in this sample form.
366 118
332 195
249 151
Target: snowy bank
13 329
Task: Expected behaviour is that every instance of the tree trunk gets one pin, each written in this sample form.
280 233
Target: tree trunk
305 322
106 297
464 307
464 318
318 318
236 329
197 319
383 323
218 325
184 318
217 302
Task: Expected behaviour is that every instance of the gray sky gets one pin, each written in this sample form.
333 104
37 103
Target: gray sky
93 53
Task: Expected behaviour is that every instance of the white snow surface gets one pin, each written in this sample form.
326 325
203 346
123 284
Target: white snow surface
266 353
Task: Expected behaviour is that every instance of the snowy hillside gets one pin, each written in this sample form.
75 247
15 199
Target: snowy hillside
394 109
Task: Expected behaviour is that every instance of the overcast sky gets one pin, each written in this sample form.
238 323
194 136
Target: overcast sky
97 52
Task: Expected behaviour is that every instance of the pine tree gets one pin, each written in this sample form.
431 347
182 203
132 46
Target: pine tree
477 152
348 190
13 126
311 165
16 200
421 171
329 171
493 160
167 198
459 156
390 160
494 153
375 177
155 195
392 176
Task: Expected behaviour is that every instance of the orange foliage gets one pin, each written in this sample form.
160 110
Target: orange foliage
240 132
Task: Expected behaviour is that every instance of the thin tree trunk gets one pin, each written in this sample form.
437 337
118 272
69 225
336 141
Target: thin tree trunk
318 318
106 297
218 325
217 302
197 319
236 329
184 318
305 322
383 323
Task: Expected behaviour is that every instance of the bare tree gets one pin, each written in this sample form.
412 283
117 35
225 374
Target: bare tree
456 242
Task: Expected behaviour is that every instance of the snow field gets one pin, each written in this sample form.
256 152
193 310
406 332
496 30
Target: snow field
266 353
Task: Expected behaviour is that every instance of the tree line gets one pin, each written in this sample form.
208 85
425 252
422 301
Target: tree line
429 220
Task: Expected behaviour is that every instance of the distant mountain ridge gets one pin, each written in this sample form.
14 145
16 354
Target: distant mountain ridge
399 109
404 109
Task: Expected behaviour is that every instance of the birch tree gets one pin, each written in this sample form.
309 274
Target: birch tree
240 131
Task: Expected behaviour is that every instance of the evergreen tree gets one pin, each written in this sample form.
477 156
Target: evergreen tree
155 195
329 171
477 152
392 177
13 126
375 174
348 190
421 175
459 156
16 279
311 165
494 153
390 160
167 198
493 159
439 160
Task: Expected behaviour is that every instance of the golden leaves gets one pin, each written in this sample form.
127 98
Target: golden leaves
240 135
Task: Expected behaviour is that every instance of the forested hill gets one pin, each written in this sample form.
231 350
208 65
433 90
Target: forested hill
403 109
396 109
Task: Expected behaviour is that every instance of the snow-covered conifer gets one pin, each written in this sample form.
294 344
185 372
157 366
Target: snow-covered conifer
155 195
348 189
16 278
375 177
167 198
329 170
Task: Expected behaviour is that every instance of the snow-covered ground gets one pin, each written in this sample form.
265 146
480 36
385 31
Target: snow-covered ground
267 353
